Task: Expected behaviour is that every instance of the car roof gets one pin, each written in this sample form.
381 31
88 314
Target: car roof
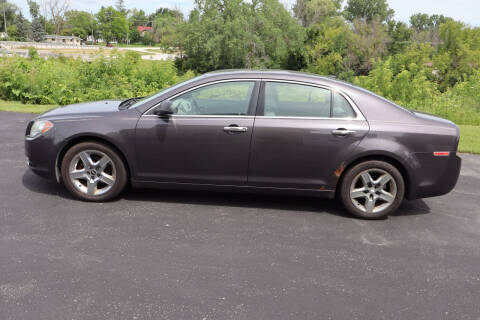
265 73
281 75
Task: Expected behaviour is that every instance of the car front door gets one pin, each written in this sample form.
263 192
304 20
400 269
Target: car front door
206 140
302 135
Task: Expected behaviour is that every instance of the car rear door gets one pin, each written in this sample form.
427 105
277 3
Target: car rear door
206 140
302 135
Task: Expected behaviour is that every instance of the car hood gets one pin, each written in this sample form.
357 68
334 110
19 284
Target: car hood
82 109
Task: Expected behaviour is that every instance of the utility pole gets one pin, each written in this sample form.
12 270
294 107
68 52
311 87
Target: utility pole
5 16
44 16
91 23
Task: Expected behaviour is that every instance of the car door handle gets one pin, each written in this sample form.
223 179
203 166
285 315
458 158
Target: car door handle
235 129
342 132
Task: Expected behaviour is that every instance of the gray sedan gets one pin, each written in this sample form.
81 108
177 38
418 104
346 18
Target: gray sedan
255 131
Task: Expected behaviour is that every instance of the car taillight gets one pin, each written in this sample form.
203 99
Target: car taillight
441 153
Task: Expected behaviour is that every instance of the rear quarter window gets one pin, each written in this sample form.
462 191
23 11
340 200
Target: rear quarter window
341 107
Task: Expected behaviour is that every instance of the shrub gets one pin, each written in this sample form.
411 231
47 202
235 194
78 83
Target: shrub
66 80
412 89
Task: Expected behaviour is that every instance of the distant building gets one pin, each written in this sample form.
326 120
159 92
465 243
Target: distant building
143 29
96 40
72 40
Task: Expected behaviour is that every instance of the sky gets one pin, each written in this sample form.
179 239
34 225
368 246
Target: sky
467 11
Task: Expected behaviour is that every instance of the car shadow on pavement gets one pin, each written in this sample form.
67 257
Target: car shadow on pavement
37 184
240 200
215 198
261 201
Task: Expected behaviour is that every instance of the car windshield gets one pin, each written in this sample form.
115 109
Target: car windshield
155 95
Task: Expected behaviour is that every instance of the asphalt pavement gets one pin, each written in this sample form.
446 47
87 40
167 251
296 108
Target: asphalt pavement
156 254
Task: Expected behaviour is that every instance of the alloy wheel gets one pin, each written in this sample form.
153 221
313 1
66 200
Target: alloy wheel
373 190
92 172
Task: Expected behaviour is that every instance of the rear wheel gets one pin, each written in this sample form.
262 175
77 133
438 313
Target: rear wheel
92 171
372 189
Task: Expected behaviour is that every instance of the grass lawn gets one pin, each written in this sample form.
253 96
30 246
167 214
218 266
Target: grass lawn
469 141
102 50
25 108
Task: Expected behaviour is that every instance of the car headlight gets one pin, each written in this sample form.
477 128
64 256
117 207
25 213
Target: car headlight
39 127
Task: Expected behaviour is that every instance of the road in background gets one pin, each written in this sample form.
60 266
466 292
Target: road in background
87 53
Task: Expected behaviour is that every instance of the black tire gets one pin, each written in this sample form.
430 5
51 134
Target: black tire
354 175
118 167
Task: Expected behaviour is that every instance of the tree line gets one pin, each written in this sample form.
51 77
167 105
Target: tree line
321 36
112 23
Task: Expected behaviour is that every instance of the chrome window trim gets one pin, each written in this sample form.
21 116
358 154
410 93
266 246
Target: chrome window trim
146 113
202 116
309 118
358 113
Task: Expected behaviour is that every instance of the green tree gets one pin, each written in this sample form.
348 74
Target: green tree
366 44
37 27
327 47
112 24
368 10
169 29
24 27
422 21
400 36
138 18
147 39
8 15
79 23
462 45
309 12
12 31
240 34
134 35
427 28
37 30
34 8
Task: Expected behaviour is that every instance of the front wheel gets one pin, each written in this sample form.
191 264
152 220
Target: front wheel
92 171
372 190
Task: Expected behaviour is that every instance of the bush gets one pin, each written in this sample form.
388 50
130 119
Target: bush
32 53
412 89
66 80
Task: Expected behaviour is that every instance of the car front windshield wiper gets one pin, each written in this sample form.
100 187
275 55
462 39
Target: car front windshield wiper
128 103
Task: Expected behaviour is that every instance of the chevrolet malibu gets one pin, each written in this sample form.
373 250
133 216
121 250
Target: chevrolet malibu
256 131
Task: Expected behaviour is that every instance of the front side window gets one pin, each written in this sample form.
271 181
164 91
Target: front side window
227 98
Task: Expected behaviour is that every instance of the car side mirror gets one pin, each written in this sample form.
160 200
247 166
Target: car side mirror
164 109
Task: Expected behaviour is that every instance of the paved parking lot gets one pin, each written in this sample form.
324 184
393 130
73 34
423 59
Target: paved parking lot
184 255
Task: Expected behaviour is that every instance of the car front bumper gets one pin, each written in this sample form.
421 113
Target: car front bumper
41 155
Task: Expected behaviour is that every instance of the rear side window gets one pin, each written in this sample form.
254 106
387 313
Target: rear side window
297 100
341 107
